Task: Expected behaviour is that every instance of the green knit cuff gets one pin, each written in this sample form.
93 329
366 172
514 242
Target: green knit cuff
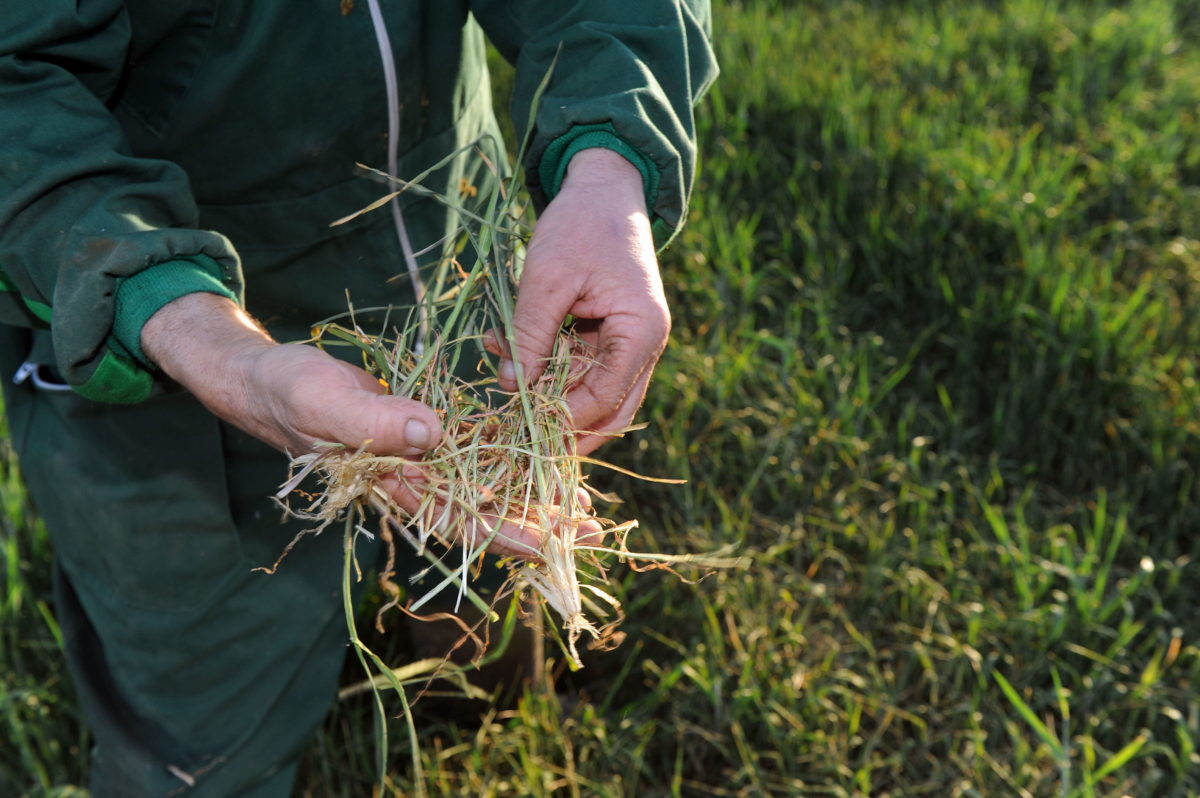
553 168
141 295
117 380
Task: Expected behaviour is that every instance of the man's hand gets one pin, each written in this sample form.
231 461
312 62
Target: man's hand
592 257
293 396
289 395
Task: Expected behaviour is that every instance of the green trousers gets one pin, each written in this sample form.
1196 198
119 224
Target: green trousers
190 666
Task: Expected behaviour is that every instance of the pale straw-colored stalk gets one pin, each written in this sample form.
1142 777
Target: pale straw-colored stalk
503 456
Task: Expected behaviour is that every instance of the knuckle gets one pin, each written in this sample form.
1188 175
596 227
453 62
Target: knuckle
663 325
661 318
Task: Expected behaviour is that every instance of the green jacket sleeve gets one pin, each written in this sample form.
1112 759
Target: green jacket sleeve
627 76
92 239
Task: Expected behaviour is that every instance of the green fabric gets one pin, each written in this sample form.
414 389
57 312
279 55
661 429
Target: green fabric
78 210
16 309
117 379
141 295
39 309
181 653
553 168
13 311
637 66
116 153
138 134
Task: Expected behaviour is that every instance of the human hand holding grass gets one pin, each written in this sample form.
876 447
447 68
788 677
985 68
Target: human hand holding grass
505 478
291 396
592 257
294 397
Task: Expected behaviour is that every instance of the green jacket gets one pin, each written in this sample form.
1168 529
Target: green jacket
150 148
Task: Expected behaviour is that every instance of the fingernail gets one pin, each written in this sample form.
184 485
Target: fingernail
507 371
418 434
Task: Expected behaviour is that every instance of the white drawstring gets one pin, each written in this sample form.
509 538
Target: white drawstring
393 144
32 372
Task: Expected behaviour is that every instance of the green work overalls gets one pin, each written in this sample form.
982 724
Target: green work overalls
209 145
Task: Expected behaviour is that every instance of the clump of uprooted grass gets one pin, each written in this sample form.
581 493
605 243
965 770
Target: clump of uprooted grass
507 460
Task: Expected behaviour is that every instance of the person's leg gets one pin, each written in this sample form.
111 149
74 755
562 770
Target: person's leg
197 675
129 758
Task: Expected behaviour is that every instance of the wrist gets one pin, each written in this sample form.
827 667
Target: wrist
141 295
607 171
206 343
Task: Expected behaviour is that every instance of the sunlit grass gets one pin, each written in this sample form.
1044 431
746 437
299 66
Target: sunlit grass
934 368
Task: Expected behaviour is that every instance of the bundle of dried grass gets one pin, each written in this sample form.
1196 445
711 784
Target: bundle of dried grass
506 474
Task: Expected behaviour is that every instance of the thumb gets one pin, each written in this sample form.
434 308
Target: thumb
403 426
385 424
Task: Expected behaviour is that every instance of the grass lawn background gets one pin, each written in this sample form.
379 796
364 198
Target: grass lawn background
934 371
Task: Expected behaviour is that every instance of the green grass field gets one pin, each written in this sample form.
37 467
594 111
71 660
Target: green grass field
934 372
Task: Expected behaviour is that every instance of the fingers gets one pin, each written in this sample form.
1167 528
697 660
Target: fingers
588 533
619 356
493 342
621 417
515 539
627 347
591 259
516 534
